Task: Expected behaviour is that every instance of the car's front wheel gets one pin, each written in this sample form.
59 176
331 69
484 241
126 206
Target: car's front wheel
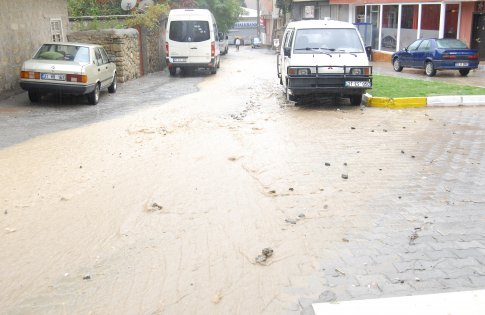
356 100
429 69
464 72
172 70
114 86
34 97
396 64
93 97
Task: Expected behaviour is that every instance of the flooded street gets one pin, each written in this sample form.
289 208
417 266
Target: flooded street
164 210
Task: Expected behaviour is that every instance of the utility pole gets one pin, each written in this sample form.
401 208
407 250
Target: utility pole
257 18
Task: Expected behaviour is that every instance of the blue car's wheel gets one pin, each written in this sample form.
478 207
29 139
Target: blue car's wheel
396 64
429 69
464 72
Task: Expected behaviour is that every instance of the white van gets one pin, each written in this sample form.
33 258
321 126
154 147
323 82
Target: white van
223 43
323 58
192 40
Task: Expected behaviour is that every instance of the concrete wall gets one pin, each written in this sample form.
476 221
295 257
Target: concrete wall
123 44
24 25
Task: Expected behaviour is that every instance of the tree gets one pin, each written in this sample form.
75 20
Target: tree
285 7
226 12
94 7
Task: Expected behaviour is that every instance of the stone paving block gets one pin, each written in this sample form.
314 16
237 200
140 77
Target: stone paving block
455 283
439 254
478 281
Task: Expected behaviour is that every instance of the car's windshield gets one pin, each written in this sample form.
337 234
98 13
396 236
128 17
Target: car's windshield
327 40
63 52
189 31
450 43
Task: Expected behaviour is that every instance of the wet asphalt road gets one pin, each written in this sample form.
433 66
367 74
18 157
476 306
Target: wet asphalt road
21 120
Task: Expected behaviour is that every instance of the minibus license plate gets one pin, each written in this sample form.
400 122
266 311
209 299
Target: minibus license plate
461 64
358 84
179 59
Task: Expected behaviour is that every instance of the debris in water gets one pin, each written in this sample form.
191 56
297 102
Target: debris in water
412 156
265 254
154 207
345 176
272 191
6 212
353 128
87 277
385 130
10 230
345 164
402 151
290 221
345 240
291 189
216 298
301 215
327 164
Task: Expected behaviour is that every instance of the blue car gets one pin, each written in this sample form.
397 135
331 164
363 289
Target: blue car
436 54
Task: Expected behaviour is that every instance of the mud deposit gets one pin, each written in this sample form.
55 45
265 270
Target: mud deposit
166 210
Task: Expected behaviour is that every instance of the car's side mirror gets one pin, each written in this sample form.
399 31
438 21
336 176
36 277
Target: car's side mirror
287 51
406 49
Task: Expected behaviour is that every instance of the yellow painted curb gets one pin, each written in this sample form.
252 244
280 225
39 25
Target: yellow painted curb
404 102
409 102
378 101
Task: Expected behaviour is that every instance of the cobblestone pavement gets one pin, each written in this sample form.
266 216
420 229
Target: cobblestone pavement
355 202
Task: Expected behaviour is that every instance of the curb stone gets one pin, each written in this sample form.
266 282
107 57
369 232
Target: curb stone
413 102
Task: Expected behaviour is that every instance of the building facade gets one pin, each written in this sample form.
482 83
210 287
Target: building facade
24 25
390 25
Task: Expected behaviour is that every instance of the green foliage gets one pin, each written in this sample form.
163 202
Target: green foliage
94 7
226 12
150 18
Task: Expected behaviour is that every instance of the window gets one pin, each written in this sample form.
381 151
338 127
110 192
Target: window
104 55
310 41
189 31
424 45
389 27
63 52
409 24
414 45
99 58
56 30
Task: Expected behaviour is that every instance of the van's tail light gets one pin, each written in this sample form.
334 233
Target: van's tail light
213 49
166 47
473 56
30 75
77 78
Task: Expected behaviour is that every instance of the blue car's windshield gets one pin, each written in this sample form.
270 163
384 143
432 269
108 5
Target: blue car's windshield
450 43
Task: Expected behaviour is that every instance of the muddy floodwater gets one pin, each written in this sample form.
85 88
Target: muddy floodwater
165 210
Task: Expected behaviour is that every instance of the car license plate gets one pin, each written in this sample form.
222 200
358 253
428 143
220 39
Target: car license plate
366 84
179 59
50 76
461 64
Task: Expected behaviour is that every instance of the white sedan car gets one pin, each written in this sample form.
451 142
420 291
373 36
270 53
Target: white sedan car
68 68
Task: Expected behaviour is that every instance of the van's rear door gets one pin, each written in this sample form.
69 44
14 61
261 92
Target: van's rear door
190 39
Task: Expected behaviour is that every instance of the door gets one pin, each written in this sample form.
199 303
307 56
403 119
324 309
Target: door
405 58
286 53
102 62
419 55
478 34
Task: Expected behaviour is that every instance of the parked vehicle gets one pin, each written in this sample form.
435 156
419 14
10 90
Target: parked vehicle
191 41
256 43
68 68
223 43
323 58
436 54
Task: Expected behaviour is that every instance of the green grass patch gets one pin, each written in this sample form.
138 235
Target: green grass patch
389 86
